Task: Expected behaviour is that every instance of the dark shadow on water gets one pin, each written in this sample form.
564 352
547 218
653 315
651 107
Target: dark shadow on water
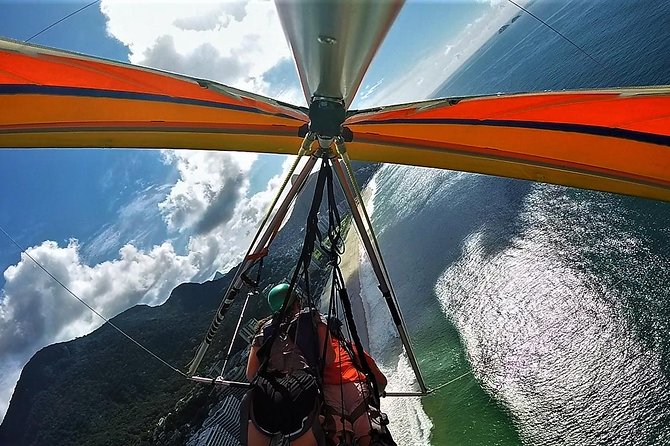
417 251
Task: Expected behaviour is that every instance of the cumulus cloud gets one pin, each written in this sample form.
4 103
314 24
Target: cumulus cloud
35 310
8 378
210 187
221 17
204 61
228 235
235 43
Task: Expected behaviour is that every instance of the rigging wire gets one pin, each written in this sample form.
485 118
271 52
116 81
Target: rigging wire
61 20
435 389
130 338
557 32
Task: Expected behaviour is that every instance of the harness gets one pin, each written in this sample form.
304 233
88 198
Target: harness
285 404
378 421
292 401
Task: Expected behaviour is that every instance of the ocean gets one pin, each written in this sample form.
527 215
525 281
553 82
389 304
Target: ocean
551 304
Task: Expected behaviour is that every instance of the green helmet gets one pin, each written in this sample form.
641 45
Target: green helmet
277 295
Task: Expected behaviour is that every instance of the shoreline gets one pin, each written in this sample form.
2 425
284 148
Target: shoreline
350 266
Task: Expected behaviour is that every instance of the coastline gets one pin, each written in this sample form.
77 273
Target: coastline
350 265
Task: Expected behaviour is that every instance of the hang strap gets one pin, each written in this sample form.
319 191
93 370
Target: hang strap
311 234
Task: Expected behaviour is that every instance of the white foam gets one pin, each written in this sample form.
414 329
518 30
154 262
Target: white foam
381 330
409 423
369 194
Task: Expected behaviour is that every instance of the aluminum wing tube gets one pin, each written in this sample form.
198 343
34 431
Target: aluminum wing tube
333 42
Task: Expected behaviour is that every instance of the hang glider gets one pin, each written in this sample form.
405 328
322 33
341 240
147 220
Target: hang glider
615 140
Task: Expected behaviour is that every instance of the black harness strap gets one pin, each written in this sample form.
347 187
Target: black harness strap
359 358
279 322
311 232
352 416
295 329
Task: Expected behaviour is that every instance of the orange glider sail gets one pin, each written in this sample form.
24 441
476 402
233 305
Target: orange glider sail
53 98
610 140
614 140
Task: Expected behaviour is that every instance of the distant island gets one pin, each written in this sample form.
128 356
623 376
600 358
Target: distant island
506 25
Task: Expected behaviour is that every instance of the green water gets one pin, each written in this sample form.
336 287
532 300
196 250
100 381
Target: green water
462 412
418 250
557 299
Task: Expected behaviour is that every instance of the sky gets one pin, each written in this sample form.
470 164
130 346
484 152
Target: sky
123 227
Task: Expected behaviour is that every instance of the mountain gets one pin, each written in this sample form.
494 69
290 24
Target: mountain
101 389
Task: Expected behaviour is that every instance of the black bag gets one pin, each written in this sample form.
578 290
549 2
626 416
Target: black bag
380 435
286 404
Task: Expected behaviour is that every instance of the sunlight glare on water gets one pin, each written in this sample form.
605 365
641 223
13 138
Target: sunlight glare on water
557 295
545 338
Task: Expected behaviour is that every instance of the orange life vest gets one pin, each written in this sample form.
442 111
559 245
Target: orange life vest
343 369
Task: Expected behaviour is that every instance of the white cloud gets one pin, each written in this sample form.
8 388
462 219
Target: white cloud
35 308
208 191
36 311
205 61
235 43
229 236
221 16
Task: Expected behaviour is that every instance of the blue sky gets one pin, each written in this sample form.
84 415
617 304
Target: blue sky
83 33
124 227
55 195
